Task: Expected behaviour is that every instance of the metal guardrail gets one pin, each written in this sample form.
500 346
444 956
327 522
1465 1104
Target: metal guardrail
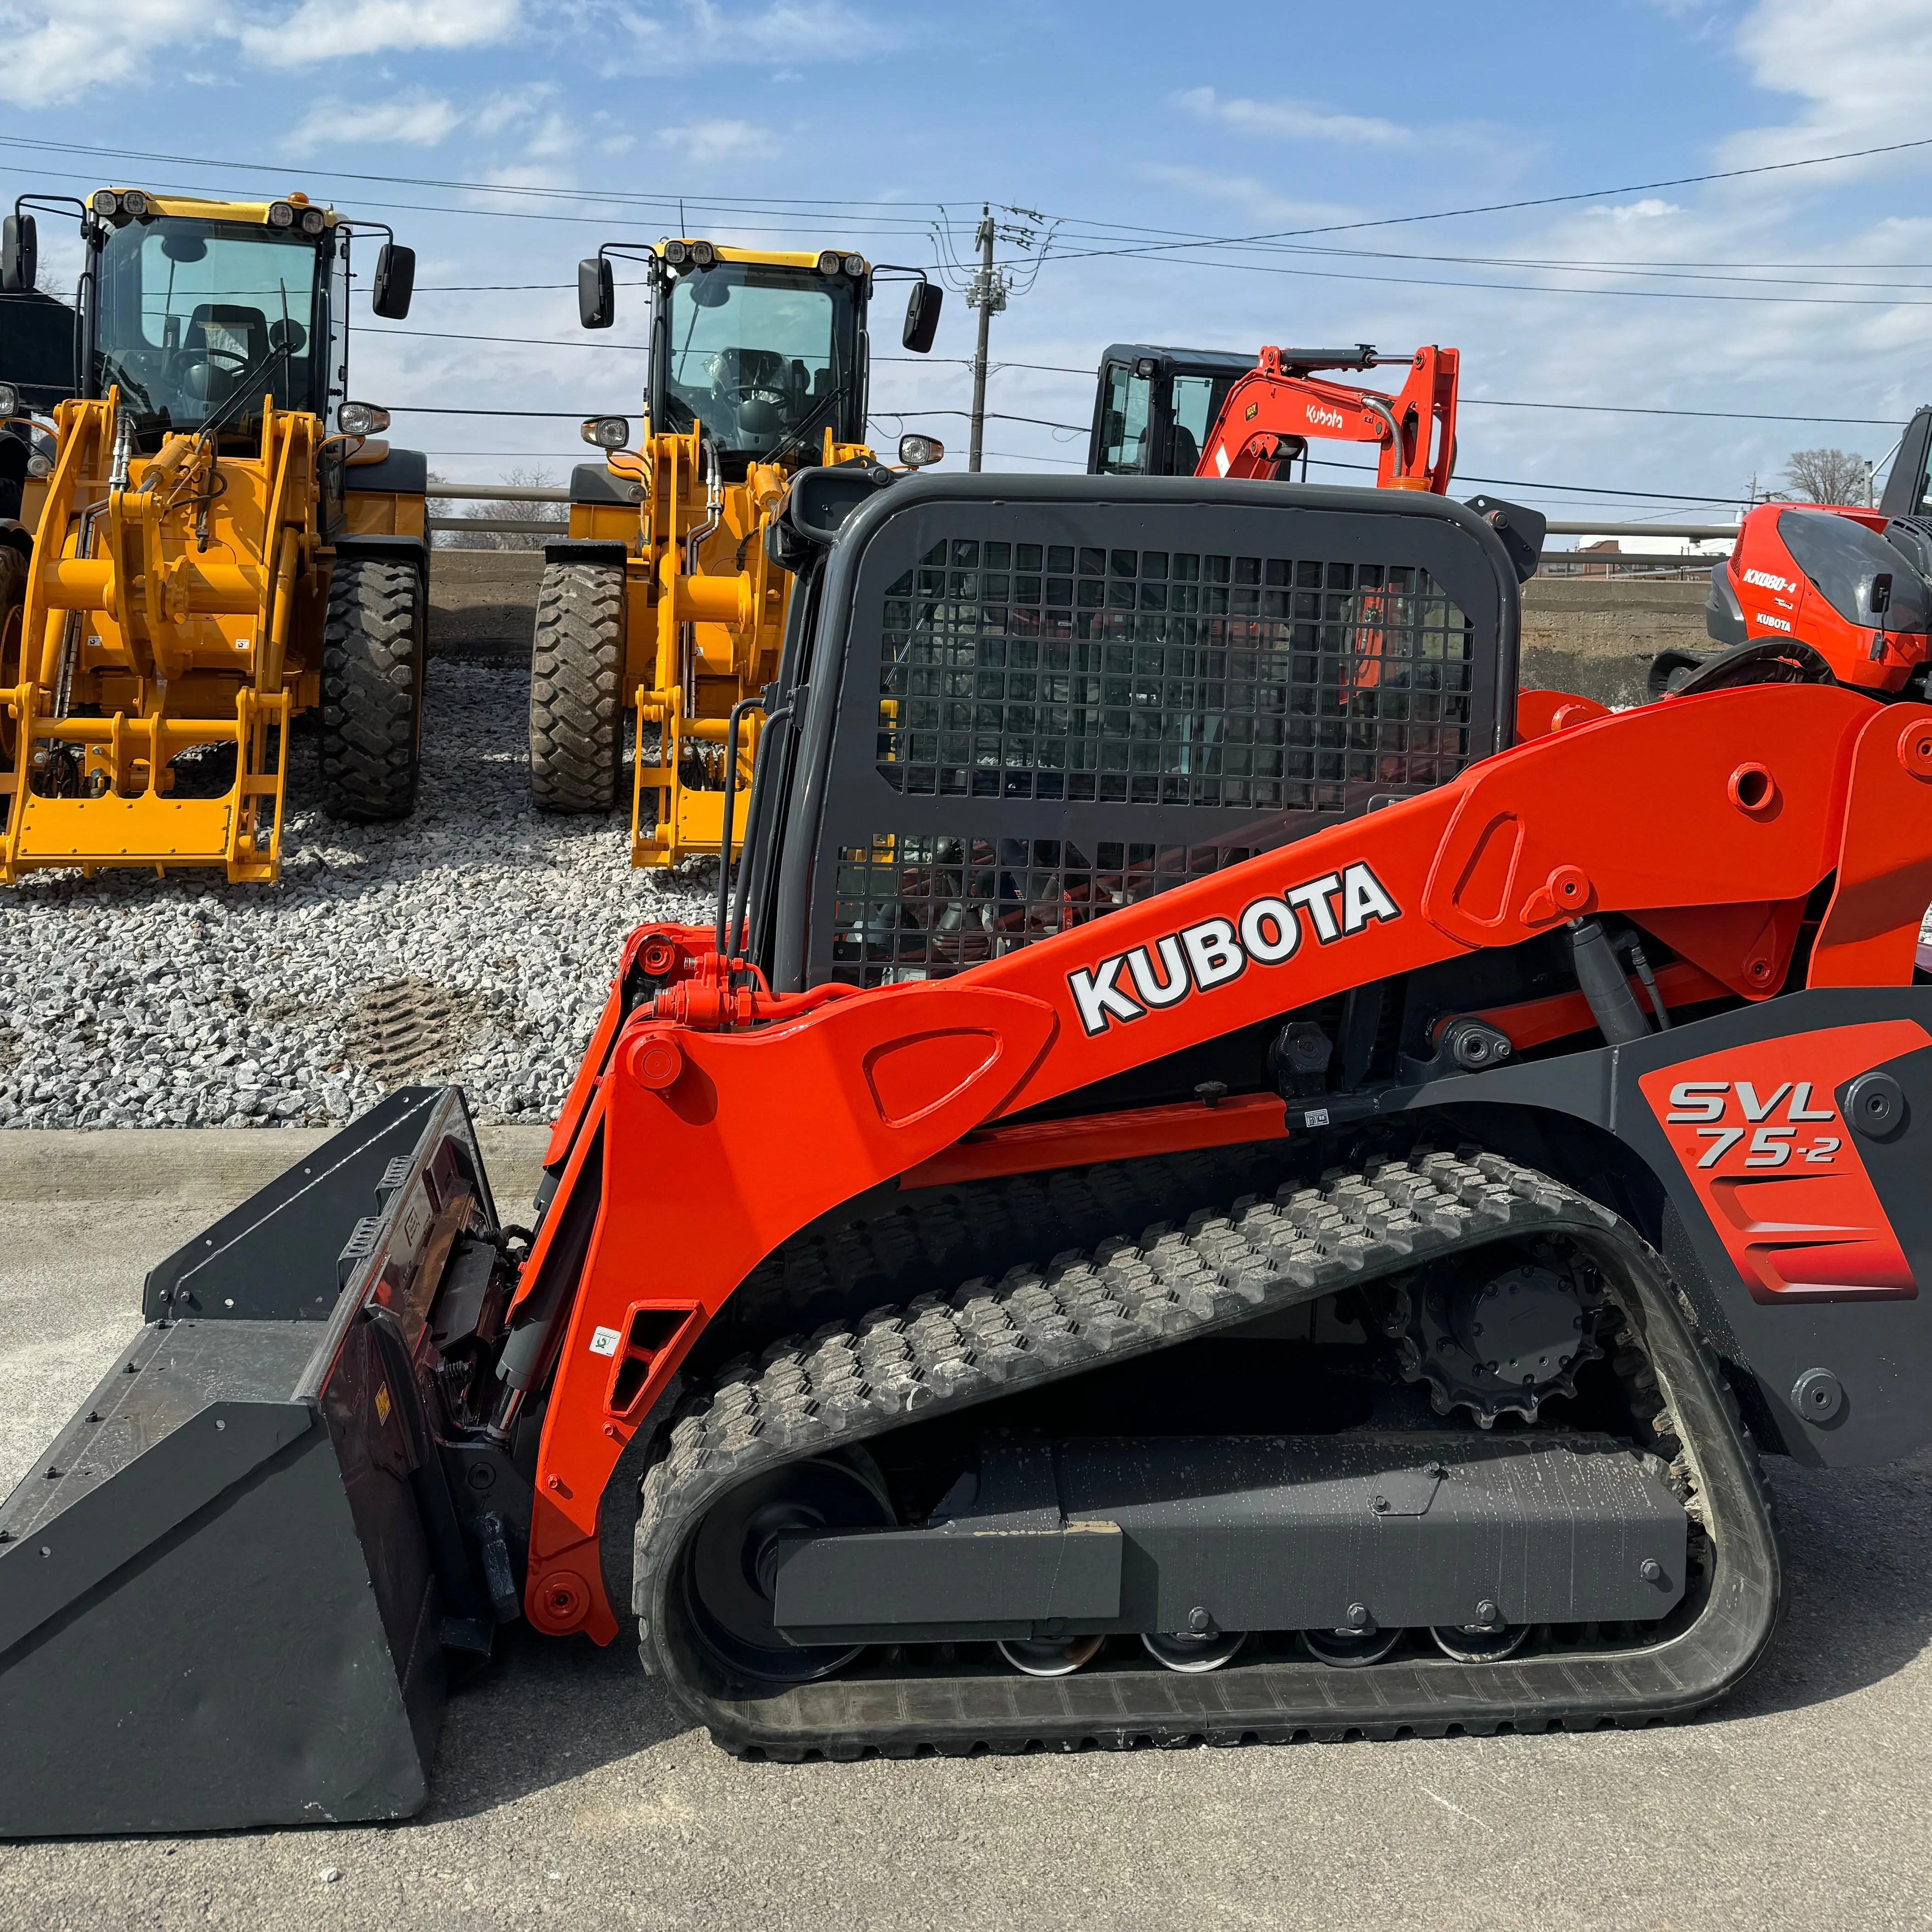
518 493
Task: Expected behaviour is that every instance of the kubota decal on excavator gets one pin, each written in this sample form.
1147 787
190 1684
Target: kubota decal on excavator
1198 958
1761 1133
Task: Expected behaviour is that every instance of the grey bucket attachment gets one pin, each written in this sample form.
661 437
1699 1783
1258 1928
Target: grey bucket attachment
223 1598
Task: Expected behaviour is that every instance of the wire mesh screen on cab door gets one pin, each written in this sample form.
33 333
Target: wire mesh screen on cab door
1051 729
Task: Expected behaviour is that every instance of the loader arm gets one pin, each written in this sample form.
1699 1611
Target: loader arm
1414 431
675 1142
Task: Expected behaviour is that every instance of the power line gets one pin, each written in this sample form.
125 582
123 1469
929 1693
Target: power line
1546 200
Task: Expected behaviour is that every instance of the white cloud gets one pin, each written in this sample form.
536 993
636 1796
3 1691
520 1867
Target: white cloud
554 136
417 120
1295 120
701 33
1255 199
1862 67
319 29
58 50
711 143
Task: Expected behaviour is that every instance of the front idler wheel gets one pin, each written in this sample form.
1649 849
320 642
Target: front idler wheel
731 1571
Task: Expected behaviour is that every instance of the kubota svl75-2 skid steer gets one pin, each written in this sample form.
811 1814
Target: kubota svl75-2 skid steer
197 559
1220 1177
661 602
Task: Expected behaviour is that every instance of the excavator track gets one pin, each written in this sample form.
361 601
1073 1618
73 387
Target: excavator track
849 1384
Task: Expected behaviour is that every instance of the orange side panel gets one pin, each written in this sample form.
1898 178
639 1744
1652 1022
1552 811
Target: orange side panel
1762 1141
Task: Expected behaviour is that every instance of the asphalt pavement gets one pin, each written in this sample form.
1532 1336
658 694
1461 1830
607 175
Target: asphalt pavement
568 1790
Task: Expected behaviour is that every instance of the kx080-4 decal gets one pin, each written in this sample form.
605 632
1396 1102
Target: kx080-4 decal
1131 984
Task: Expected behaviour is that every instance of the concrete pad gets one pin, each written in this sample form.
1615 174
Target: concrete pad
569 1789
86 1214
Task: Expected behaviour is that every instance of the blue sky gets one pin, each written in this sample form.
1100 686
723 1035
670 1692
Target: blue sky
1143 135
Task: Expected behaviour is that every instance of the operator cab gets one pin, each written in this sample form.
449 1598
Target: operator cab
1153 407
196 310
766 352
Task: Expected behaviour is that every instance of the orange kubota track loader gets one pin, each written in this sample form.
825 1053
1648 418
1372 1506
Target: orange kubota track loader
1309 1179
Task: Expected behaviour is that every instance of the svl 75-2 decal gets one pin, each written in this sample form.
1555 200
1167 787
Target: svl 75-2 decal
1776 1169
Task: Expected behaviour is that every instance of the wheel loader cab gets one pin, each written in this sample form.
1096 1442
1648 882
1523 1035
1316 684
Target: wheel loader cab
767 355
1008 707
1152 408
189 314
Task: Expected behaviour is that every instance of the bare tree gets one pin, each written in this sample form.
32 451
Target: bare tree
519 509
1829 476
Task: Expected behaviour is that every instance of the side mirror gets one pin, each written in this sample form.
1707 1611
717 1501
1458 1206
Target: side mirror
395 281
19 253
596 292
921 322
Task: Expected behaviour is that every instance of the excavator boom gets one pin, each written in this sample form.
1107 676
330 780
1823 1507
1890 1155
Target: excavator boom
1280 406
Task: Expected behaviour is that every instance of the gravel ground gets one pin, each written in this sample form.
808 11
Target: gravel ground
474 941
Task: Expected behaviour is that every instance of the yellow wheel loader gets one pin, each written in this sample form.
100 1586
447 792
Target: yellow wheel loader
195 559
662 597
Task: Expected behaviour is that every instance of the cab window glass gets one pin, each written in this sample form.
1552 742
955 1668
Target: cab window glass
1124 434
761 356
1193 412
190 310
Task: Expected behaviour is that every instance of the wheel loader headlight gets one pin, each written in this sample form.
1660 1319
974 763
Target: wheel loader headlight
136 203
677 253
607 432
106 203
855 265
281 215
828 261
38 465
702 253
312 221
10 400
917 452
361 419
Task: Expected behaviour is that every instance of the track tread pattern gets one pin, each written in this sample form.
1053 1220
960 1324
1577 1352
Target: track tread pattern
373 642
808 1395
577 671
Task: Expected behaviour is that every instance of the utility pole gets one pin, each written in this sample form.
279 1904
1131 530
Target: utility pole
987 292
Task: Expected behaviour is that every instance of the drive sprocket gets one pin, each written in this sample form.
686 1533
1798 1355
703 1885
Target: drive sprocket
1494 1341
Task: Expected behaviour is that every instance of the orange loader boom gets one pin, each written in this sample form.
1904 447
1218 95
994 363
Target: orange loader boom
1280 402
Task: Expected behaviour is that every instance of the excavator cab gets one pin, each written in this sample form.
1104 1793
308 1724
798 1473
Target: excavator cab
1152 408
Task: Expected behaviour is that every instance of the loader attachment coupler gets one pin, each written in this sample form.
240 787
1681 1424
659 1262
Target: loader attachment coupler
226 1589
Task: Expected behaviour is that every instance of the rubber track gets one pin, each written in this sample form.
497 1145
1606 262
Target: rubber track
372 681
938 1353
576 673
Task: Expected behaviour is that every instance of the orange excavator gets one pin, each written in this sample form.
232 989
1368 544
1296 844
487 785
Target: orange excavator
1181 412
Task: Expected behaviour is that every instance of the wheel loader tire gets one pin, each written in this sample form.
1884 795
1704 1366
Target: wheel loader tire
577 675
373 644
